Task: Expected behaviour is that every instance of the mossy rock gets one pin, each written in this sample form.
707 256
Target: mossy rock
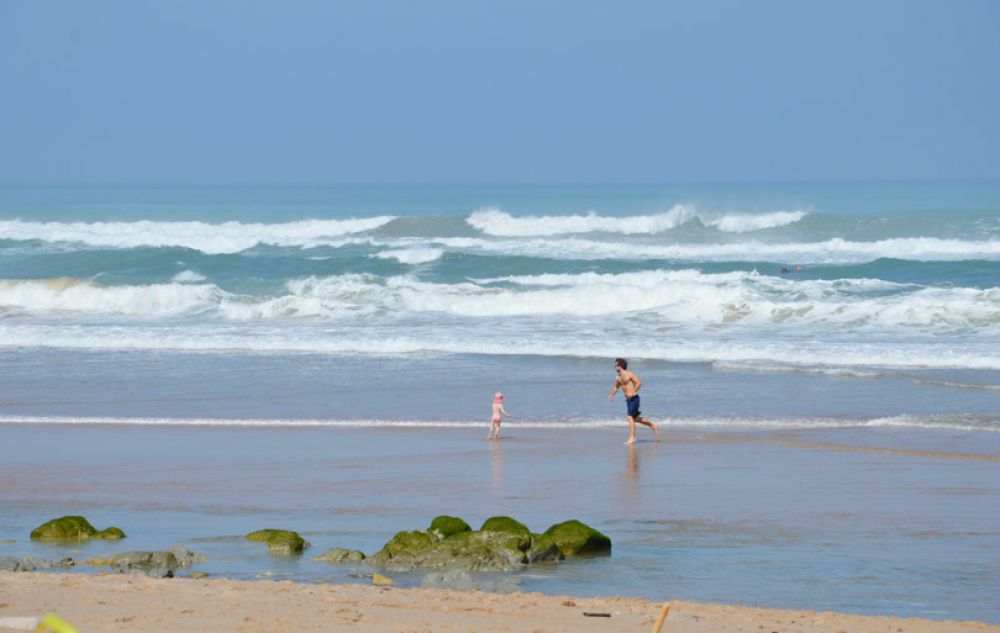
405 545
474 551
110 534
445 526
505 524
543 547
282 542
72 528
340 555
574 538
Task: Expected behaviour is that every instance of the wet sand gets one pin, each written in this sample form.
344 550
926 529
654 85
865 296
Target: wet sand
130 603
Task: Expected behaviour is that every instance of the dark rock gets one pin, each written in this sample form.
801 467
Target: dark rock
152 563
184 556
543 548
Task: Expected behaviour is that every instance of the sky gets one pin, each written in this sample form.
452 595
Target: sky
537 91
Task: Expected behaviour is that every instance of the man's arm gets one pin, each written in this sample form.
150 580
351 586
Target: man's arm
637 382
614 390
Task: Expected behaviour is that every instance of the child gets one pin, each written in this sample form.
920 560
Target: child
497 411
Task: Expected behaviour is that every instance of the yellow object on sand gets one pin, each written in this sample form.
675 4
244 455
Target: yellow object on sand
52 623
663 616
382 581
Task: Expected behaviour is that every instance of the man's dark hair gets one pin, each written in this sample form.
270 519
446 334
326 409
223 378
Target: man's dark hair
621 362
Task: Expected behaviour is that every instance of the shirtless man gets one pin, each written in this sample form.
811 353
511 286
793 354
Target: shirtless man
630 384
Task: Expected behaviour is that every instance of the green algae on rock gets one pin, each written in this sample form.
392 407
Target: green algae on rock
445 526
73 528
502 545
574 538
504 524
281 542
110 534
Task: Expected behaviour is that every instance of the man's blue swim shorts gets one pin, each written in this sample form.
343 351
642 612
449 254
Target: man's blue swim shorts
632 406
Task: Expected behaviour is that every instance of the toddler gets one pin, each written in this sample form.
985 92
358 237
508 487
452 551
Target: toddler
498 410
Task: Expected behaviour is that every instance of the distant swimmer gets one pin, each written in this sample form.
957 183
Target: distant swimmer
498 410
630 384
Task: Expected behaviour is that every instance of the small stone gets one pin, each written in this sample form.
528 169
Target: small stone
568 603
340 555
382 581
9 563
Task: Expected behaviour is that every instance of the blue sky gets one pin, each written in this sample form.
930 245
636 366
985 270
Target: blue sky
478 92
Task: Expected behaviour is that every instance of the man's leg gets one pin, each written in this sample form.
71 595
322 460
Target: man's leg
631 430
650 424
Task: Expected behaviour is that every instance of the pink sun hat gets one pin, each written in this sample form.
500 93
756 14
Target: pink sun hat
498 397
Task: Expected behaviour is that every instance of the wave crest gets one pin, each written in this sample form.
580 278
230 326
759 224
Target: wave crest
227 237
496 222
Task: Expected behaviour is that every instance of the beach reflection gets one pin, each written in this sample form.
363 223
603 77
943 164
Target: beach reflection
633 463
630 481
496 466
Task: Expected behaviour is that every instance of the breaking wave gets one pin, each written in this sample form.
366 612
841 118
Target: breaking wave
501 224
227 237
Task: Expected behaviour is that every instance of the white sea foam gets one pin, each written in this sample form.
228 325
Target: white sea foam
34 297
934 423
833 251
188 276
680 299
411 256
583 341
227 237
492 221
746 222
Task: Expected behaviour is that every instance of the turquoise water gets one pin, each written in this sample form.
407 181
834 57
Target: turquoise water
862 313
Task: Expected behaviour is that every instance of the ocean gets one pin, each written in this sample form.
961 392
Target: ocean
825 328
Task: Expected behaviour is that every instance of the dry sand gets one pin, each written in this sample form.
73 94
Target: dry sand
135 603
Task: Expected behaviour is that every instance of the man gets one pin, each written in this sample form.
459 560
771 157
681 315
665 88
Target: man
630 384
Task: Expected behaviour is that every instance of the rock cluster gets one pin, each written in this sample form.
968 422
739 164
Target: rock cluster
501 544
155 564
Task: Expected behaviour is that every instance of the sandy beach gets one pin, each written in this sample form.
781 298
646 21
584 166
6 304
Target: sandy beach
132 603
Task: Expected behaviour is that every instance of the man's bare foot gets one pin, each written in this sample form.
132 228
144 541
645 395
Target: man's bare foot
631 440
656 429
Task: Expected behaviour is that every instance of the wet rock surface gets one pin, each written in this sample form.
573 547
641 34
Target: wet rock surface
502 544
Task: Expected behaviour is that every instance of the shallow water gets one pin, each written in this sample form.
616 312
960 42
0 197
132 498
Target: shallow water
192 364
730 517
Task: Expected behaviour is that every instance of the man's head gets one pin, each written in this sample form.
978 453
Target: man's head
621 363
